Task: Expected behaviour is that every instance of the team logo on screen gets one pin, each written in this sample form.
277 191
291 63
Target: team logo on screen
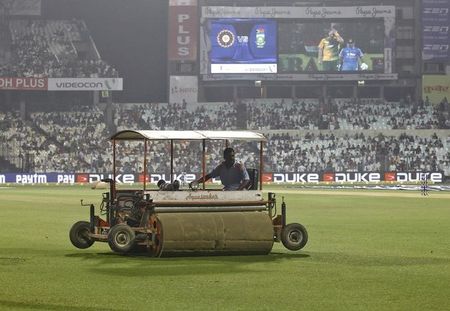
225 38
260 38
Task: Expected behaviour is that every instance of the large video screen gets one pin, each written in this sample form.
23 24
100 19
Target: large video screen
331 46
297 43
242 45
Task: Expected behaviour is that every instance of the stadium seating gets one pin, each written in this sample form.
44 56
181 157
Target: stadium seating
53 48
376 139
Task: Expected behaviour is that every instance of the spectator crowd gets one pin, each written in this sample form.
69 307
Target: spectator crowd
298 141
52 48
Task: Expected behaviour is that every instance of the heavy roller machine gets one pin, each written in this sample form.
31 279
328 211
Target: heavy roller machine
169 221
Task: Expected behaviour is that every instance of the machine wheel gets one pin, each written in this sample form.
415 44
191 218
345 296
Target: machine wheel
121 238
294 236
79 235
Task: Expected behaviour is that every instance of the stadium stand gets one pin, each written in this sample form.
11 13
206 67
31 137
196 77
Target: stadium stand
177 116
384 136
52 48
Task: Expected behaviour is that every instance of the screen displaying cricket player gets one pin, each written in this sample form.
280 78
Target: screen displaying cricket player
331 46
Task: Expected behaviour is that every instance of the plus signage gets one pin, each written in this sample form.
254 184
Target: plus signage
183 27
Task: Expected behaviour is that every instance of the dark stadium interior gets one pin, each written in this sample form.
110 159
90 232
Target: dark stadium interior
128 34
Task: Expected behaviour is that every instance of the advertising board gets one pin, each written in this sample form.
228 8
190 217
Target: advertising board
435 88
278 177
183 29
435 31
61 84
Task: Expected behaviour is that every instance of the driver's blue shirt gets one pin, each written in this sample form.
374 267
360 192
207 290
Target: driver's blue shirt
231 177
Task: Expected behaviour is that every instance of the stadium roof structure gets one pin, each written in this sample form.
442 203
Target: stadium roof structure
188 135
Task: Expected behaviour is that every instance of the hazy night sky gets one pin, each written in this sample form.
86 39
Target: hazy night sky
130 35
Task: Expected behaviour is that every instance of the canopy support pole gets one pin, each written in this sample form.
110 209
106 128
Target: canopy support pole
171 161
145 164
113 194
261 164
203 161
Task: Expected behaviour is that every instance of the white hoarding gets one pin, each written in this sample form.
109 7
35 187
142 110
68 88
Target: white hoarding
183 88
85 84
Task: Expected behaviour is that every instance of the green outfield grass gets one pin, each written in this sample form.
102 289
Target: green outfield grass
367 251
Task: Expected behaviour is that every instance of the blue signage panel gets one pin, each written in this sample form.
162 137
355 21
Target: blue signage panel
435 32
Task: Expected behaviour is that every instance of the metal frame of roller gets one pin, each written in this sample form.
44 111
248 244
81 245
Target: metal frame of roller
188 222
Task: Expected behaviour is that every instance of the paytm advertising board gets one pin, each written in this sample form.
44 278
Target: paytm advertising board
279 177
37 178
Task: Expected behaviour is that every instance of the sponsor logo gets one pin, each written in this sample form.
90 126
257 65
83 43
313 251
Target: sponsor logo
120 178
65 178
296 177
208 196
85 84
436 47
266 177
356 177
436 29
141 178
435 11
213 11
183 90
183 35
31 179
2 179
419 176
154 178
82 178
373 11
328 177
322 12
272 12
390 176
436 88
81 85
23 83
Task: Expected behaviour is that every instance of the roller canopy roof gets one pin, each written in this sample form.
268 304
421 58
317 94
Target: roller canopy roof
188 135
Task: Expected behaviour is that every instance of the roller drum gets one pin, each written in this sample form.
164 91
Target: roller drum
216 233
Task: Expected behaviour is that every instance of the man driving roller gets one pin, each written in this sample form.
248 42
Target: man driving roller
233 174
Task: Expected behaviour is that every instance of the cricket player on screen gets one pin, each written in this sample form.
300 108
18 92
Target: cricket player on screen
329 47
350 57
